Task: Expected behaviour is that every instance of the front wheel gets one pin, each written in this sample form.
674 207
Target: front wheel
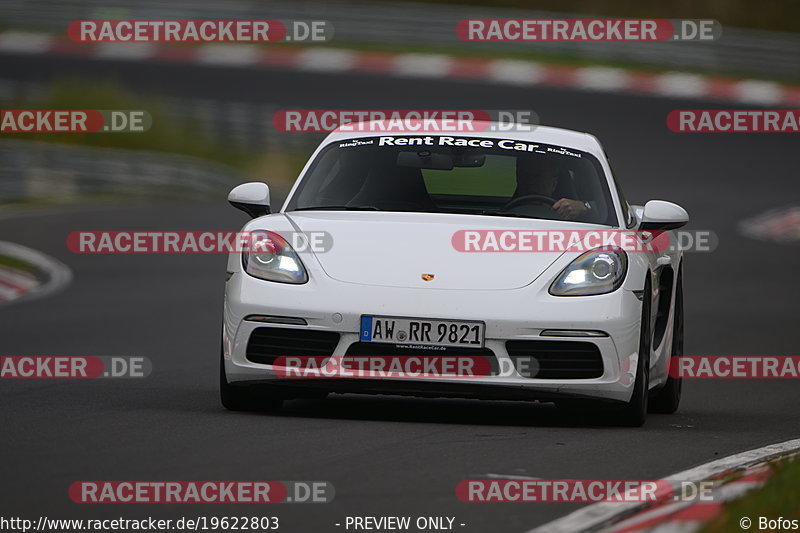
634 412
667 399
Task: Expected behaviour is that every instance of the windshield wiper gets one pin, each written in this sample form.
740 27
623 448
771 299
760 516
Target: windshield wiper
338 208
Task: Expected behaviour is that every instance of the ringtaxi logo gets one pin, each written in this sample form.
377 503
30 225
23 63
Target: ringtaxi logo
199 31
587 30
194 242
734 120
74 121
403 120
73 367
203 492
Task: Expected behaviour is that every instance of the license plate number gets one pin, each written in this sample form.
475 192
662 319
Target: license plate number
422 331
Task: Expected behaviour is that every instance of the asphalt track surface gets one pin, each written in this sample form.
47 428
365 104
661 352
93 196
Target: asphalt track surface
385 455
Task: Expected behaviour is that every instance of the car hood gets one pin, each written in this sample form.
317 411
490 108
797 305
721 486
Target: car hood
396 249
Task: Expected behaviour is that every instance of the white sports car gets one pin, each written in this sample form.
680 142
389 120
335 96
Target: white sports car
456 265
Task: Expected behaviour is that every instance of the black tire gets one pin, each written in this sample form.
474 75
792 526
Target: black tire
667 399
634 412
245 398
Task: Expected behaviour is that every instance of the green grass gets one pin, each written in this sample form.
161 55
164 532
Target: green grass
274 165
780 497
165 135
17 264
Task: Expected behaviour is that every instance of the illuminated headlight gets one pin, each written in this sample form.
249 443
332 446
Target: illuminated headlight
595 272
271 258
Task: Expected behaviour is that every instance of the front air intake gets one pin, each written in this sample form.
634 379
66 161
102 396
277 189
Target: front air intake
267 344
555 359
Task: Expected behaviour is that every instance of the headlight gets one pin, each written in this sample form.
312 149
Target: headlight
595 272
271 258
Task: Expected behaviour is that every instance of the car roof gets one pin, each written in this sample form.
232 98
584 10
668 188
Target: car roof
490 130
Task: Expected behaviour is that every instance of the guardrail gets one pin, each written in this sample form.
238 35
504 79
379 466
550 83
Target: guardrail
34 170
740 51
243 126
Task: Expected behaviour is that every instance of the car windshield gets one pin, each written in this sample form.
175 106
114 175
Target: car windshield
467 175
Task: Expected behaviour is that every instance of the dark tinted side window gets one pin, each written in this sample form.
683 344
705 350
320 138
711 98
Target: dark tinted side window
627 212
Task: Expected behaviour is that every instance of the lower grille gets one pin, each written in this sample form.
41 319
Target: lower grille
366 349
556 359
267 344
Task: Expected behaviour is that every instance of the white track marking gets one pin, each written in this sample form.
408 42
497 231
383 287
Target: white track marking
596 515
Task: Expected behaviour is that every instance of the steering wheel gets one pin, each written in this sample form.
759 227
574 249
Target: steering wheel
527 199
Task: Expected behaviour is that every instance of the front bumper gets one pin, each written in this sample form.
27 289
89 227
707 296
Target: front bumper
509 315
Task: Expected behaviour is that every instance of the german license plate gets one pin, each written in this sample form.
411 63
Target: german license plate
422 331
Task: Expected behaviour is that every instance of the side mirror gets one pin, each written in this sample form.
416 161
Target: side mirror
661 215
252 198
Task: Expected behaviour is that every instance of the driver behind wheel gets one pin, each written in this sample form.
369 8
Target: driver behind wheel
539 176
